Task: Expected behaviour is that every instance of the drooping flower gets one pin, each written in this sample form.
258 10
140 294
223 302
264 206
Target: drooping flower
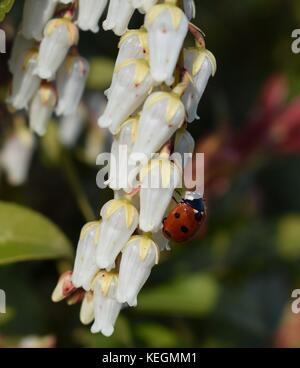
20 47
119 221
89 14
132 84
41 108
87 308
85 267
120 169
184 146
59 35
201 64
35 17
167 26
159 178
71 126
106 307
16 155
25 83
118 16
64 287
143 5
138 258
163 113
189 7
70 81
133 45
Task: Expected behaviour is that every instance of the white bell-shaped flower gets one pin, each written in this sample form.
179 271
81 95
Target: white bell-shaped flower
41 109
201 64
133 45
189 7
184 146
138 258
167 26
85 267
87 308
129 90
106 307
16 155
143 5
20 47
59 36
120 169
119 221
35 17
89 14
163 113
25 83
162 242
70 81
70 127
118 16
159 178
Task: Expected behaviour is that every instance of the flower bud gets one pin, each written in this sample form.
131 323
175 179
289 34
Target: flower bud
71 79
189 7
25 84
143 5
16 155
158 179
106 307
183 148
35 17
70 127
85 267
59 35
20 47
163 113
76 297
87 309
89 14
118 16
131 85
41 109
167 26
64 287
201 64
119 221
120 169
138 258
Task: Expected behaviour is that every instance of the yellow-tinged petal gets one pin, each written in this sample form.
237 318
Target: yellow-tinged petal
142 34
145 244
199 60
175 12
141 69
174 103
72 29
116 204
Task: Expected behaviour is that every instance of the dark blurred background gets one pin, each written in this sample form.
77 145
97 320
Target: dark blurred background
232 286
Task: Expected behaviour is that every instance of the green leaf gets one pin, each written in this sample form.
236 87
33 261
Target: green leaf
5 7
288 235
27 235
193 296
101 71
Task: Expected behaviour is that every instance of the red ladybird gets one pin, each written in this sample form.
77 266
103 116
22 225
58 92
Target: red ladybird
185 220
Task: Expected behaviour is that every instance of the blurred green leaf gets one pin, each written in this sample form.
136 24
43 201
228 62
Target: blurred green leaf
157 336
193 295
101 71
288 237
5 7
27 235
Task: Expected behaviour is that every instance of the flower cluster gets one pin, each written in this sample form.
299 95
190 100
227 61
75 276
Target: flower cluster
156 88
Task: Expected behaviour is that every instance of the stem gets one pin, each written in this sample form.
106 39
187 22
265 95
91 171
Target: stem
198 34
76 187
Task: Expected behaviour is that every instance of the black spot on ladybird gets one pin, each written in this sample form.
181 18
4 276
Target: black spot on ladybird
177 215
184 229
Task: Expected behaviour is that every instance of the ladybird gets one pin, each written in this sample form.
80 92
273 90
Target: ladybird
185 220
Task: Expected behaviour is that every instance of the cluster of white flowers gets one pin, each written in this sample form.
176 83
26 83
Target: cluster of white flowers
156 88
